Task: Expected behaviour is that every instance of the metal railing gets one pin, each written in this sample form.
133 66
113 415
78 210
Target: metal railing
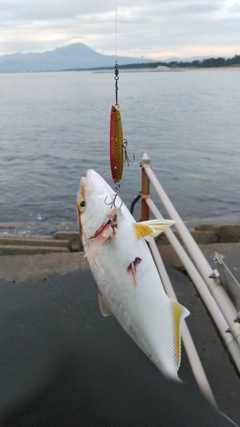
204 278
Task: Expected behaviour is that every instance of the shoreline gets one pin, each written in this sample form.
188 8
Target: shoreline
160 68
166 69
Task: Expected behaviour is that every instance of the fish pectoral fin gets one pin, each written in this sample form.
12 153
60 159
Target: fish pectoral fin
150 229
179 312
103 306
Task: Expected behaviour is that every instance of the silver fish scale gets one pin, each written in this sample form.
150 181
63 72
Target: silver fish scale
114 301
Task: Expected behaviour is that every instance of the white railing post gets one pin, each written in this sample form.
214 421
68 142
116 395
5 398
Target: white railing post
229 330
204 292
189 345
226 306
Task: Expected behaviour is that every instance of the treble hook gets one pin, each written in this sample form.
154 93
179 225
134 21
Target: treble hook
126 158
112 204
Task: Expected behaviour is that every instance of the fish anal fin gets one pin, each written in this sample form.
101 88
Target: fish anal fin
103 306
179 312
150 229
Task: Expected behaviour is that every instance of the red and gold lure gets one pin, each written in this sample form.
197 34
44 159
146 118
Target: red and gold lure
116 144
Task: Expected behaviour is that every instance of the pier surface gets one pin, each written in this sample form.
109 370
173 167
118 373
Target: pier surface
48 298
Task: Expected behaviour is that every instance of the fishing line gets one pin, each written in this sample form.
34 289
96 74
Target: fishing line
116 24
116 77
118 145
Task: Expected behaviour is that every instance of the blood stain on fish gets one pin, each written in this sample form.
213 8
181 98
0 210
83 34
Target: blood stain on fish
132 269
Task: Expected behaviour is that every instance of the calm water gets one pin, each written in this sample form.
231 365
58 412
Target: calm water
55 126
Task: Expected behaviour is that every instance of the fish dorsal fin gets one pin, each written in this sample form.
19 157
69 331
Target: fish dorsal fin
150 229
103 306
179 312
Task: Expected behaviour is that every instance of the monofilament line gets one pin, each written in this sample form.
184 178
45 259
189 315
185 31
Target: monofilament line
116 28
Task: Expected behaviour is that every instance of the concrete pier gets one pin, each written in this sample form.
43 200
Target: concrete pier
68 241
48 297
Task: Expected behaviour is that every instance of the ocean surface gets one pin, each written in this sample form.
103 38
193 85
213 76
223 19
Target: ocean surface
55 126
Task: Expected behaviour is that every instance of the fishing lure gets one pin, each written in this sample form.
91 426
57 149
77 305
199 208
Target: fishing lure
116 144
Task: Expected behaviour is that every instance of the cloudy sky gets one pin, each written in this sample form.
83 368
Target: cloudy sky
150 28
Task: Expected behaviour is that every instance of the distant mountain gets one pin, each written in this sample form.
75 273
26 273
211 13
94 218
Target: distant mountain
74 56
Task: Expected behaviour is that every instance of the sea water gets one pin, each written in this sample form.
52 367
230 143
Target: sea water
55 126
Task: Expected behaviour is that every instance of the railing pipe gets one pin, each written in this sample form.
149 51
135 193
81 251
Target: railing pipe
204 292
189 345
218 292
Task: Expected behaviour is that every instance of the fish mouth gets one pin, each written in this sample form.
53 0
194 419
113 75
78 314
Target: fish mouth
108 227
103 233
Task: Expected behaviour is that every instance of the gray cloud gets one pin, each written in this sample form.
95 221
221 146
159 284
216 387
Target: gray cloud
154 28
47 10
234 9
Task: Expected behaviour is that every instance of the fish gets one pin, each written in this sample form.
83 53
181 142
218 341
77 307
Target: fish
116 144
128 283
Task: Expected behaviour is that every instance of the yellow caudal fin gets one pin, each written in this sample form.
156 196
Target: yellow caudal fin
179 312
150 229
103 307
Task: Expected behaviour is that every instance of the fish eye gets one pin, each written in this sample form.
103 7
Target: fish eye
81 205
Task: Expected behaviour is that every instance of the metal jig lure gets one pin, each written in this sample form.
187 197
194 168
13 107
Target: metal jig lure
118 145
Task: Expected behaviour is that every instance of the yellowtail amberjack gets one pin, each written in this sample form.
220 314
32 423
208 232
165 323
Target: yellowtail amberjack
128 282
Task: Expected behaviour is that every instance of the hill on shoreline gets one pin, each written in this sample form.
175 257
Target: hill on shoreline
197 63
79 57
73 56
